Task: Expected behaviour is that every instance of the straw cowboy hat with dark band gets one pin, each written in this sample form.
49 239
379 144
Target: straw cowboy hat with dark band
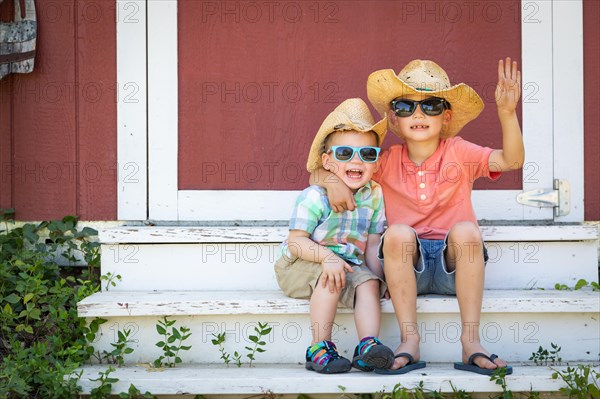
428 78
351 114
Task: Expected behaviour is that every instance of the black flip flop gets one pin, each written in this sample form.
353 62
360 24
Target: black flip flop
410 366
472 367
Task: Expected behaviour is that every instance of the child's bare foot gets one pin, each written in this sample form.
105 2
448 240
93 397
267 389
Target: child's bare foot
474 347
411 345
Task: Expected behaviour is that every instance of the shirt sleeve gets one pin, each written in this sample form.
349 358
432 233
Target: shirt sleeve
475 159
378 219
307 211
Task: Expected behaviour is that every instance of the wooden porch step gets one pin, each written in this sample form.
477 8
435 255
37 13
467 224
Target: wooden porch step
242 258
514 323
193 303
294 379
191 234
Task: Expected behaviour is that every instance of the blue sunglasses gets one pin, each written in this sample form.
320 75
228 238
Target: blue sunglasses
345 153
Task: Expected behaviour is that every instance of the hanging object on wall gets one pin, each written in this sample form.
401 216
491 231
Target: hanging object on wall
17 40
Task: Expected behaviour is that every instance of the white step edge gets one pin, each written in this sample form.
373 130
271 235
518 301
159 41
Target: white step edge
159 303
285 378
155 234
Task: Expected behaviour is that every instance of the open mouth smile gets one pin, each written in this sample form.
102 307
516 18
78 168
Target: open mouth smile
354 173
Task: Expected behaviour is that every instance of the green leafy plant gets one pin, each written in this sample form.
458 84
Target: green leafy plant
226 357
582 381
42 340
581 283
133 393
104 390
110 278
172 342
261 331
459 393
543 356
121 347
499 377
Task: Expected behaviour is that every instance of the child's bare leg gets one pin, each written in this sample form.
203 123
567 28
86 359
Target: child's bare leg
323 306
465 255
401 254
367 309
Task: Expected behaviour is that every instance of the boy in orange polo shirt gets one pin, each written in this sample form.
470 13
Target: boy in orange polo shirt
433 243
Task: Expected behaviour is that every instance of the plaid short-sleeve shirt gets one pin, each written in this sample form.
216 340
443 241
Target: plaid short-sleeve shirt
343 233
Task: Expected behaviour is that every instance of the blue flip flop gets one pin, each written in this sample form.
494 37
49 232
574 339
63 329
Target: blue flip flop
472 367
410 366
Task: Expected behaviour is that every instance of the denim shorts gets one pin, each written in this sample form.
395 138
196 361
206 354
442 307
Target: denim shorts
431 272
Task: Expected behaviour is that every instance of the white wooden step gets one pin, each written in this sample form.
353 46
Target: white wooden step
165 234
513 323
213 258
294 379
193 303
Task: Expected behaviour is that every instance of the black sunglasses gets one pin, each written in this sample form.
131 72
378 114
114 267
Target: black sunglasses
345 153
433 106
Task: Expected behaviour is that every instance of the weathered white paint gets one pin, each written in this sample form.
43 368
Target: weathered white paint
131 110
293 378
193 303
513 336
249 266
162 109
236 205
536 100
277 205
171 234
568 109
539 117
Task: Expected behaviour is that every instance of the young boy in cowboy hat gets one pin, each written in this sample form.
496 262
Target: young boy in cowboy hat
433 243
331 257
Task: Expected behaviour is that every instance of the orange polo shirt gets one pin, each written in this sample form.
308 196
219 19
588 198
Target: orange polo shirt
435 195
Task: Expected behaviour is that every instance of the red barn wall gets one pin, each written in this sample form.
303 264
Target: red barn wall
591 69
58 140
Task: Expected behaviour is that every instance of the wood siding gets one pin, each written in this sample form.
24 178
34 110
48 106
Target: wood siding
255 82
58 124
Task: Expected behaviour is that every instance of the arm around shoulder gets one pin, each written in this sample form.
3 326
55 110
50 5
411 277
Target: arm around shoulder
340 196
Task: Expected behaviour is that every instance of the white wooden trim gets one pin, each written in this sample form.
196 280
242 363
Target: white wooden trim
195 303
162 109
131 110
236 205
197 205
173 235
536 100
568 102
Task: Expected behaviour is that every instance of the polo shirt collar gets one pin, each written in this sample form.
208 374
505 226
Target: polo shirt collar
363 193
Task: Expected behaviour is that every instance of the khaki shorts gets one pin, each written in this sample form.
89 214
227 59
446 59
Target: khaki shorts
298 279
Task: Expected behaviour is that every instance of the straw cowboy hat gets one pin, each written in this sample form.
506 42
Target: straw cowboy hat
351 114
425 77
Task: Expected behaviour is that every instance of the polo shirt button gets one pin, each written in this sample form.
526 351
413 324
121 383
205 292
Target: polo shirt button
422 185
420 173
423 196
